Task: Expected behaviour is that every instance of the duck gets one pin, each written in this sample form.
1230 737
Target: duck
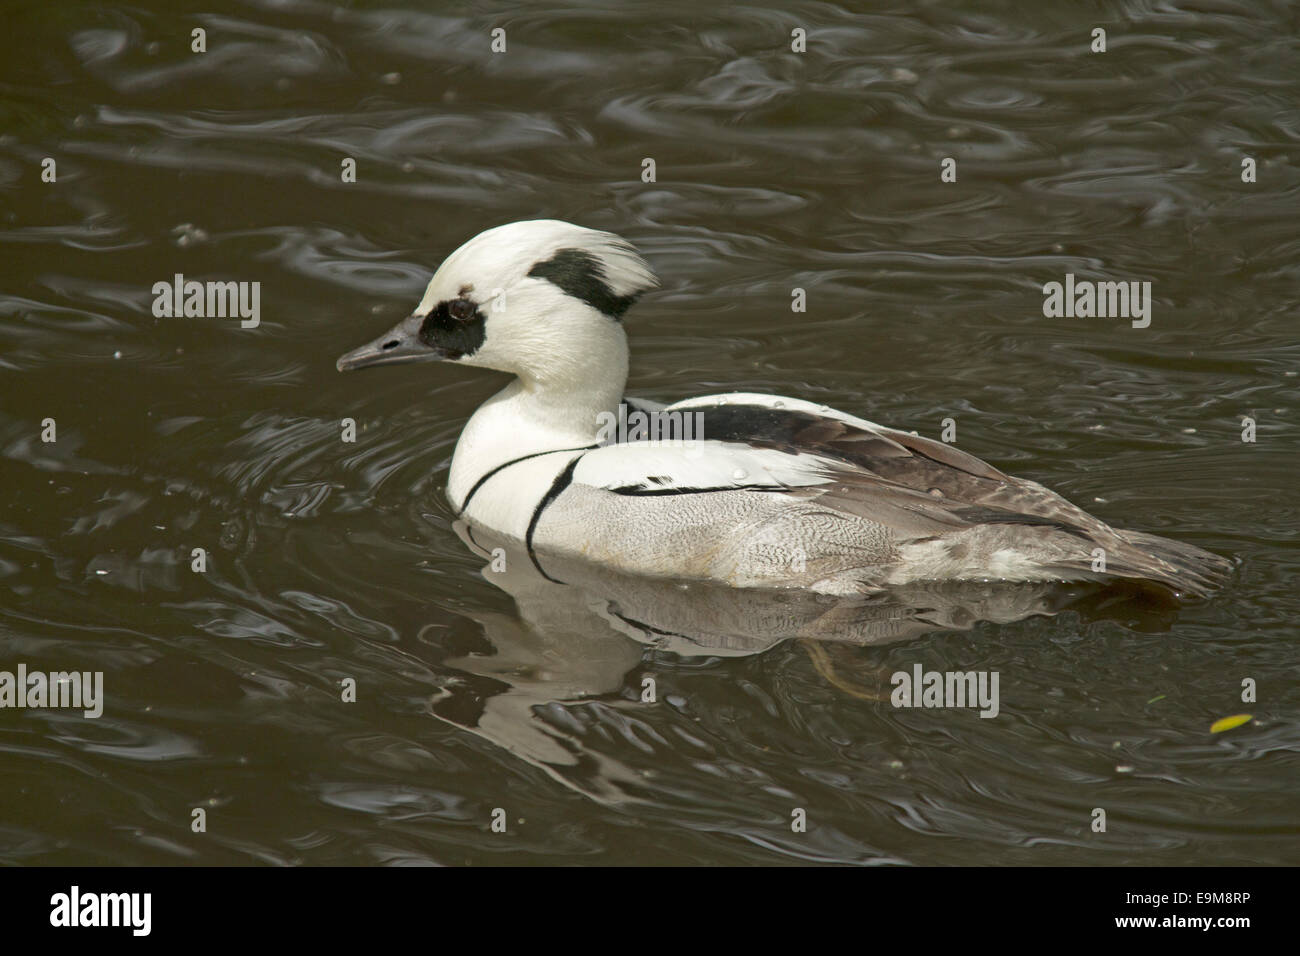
766 491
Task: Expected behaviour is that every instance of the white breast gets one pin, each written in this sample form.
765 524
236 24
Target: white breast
507 501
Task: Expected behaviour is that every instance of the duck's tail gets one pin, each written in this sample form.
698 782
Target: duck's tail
1185 569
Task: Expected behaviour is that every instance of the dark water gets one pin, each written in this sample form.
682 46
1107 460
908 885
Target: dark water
775 170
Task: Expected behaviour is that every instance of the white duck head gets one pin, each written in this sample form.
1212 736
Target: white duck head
541 299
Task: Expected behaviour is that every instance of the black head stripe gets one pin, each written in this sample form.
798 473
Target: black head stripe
581 275
458 339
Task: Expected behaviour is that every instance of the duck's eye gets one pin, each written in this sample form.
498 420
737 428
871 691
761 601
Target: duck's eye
462 310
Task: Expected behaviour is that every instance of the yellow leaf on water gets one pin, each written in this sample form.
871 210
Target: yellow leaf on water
1227 723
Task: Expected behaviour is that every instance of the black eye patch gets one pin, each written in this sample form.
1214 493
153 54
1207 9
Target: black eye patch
455 327
462 310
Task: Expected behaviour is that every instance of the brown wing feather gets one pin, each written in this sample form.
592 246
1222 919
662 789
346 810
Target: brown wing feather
921 488
901 479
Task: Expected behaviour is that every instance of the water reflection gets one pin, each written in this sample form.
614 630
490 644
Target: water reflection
582 631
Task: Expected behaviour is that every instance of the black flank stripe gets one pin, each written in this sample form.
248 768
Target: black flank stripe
643 492
562 481
514 461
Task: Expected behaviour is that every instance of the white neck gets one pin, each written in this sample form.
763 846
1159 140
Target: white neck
552 406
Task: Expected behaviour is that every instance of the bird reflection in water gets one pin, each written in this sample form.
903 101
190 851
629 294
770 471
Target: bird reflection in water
584 637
